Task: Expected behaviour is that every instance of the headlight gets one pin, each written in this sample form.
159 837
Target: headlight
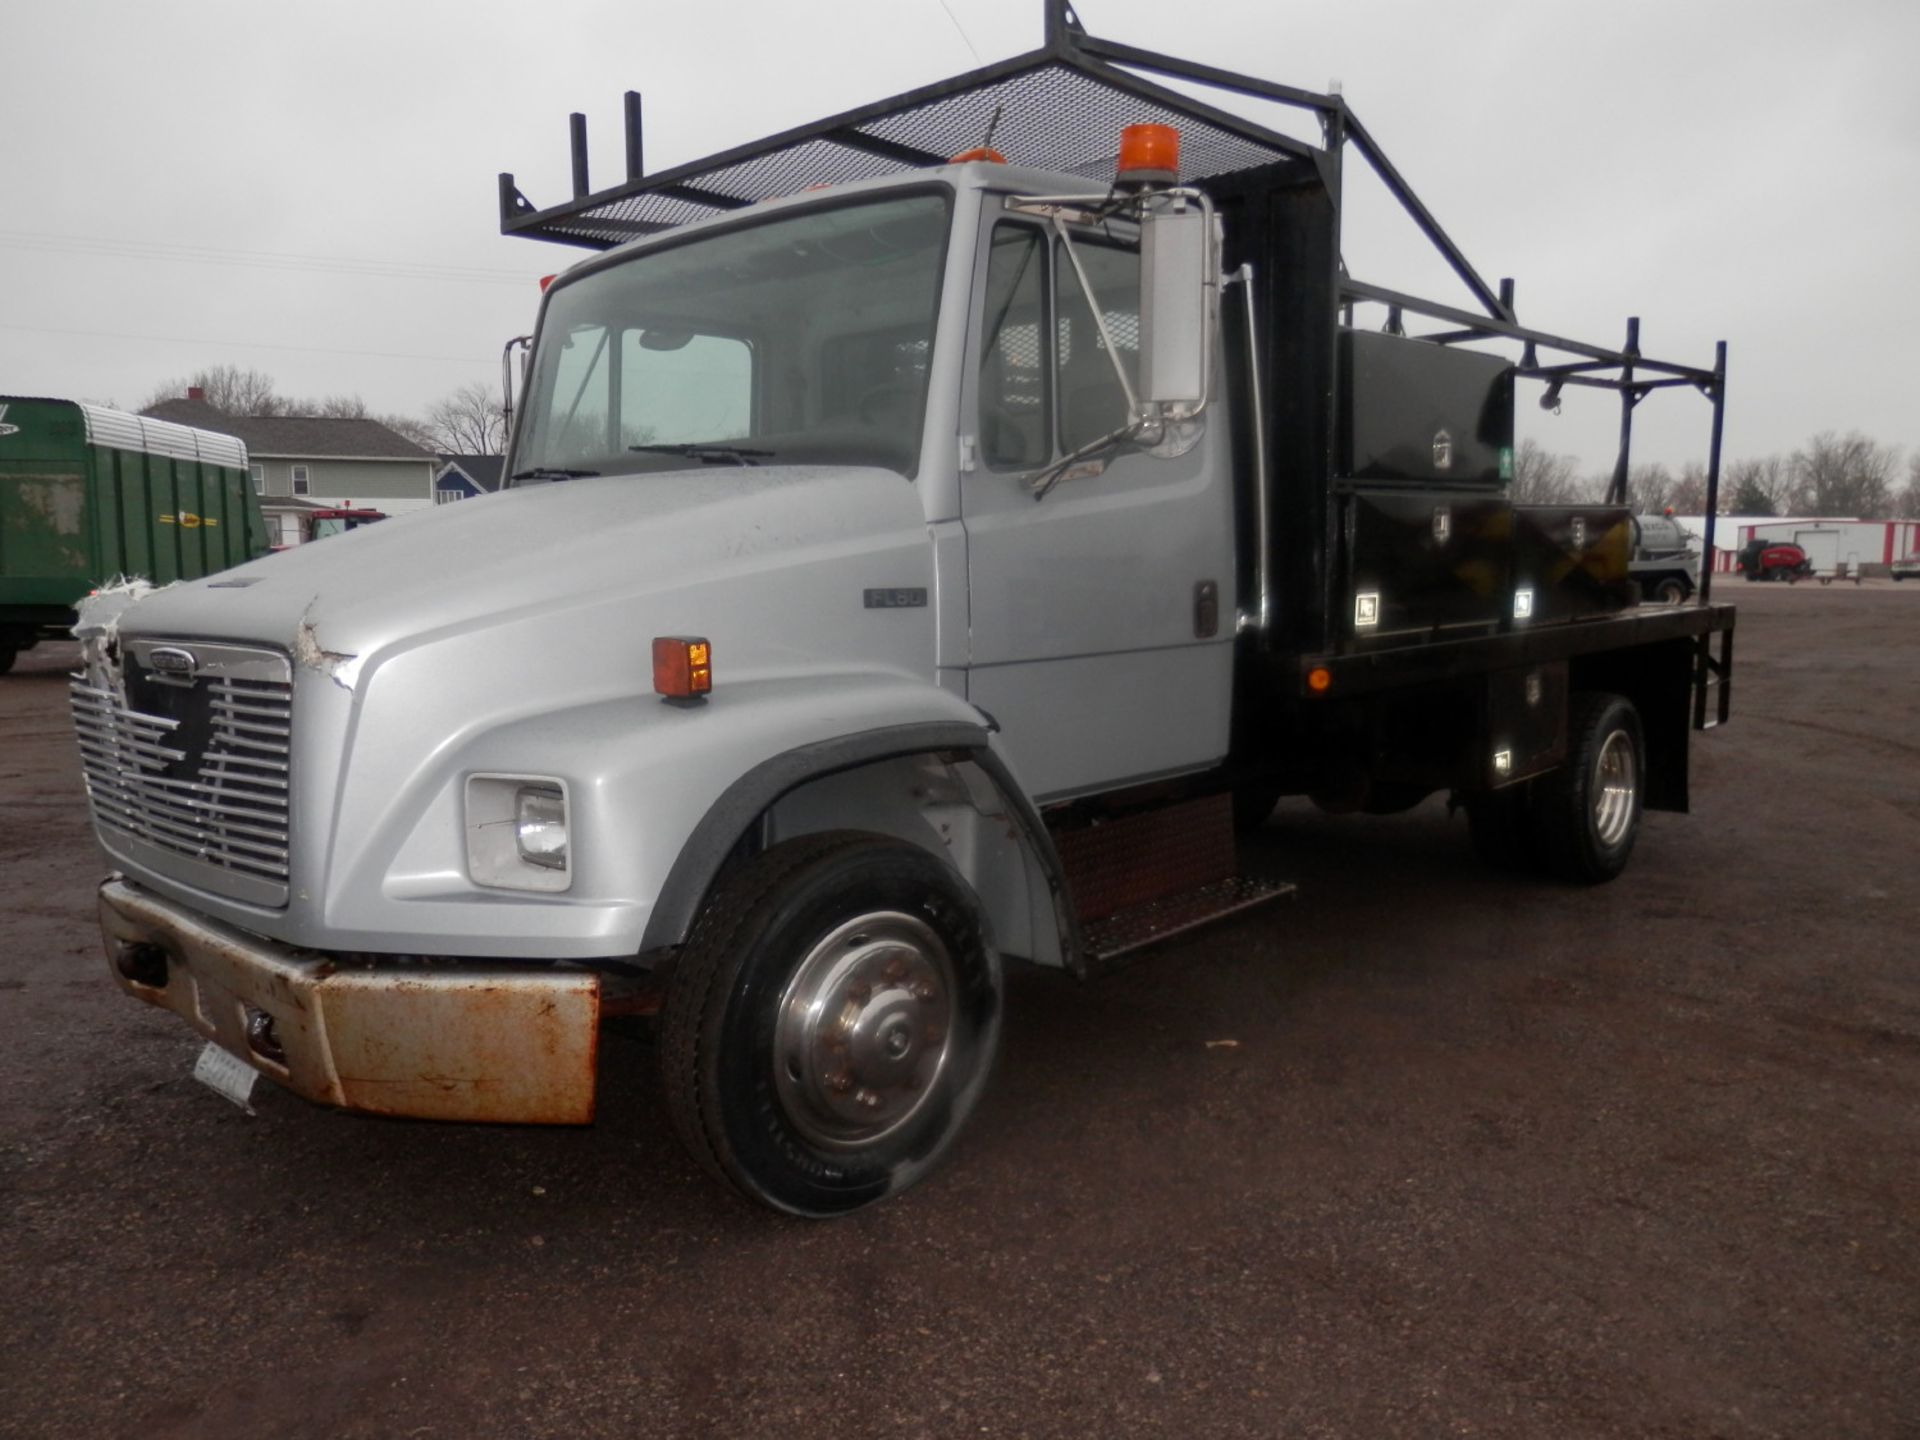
517 832
540 825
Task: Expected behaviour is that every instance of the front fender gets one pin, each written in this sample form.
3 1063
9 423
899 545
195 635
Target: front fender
658 792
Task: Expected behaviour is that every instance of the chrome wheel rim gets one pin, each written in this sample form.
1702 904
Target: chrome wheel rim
865 1029
1615 789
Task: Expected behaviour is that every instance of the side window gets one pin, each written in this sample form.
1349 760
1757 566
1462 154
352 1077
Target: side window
1015 375
677 387
1092 403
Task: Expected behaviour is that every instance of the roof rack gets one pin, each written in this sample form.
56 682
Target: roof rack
1060 108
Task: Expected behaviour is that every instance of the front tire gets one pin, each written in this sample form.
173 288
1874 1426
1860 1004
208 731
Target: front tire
831 1021
1587 813
1671 592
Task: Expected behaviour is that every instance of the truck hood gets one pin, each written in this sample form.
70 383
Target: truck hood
587 544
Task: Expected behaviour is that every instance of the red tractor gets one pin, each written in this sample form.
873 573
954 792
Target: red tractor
1774 560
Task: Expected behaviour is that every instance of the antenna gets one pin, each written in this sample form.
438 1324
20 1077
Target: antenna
963 35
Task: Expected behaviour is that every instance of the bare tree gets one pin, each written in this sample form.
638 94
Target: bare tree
1651 488
1908 504
1689 495
416 430
1761 486
332 407
228 389
1542 478
470 421
1846 475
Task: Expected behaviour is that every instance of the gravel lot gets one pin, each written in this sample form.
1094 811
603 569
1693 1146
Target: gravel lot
1483 1158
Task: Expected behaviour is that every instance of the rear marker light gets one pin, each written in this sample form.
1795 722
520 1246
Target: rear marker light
1319 680
682 667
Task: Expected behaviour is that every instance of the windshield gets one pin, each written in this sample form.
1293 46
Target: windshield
798 340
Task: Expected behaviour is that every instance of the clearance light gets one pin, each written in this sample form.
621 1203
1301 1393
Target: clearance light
1149 155
979 152
1319 679
545 281
682 667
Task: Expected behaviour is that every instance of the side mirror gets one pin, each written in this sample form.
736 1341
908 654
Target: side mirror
508 389
1178 277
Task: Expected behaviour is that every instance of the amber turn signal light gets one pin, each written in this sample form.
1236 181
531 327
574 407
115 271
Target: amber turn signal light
682 667
1319 679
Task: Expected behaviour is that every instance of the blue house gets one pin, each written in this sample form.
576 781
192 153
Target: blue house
461 477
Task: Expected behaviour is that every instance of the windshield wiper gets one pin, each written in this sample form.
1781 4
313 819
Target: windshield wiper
705 453
550 472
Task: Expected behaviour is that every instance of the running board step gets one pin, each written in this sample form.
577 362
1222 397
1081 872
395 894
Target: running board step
1138 926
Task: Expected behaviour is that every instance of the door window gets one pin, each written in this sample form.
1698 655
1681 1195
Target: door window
1092 402
1049 388
1016 391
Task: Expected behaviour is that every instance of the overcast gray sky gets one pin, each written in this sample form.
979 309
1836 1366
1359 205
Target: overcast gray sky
308 189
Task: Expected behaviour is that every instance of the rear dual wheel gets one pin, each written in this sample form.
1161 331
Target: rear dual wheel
1579 822
831 1022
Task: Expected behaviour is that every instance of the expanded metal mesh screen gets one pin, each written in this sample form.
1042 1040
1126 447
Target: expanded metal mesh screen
1052 117
1058 118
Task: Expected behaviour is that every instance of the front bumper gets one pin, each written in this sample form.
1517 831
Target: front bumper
473 1041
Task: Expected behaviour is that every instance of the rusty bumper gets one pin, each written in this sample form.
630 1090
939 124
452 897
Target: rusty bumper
462 1042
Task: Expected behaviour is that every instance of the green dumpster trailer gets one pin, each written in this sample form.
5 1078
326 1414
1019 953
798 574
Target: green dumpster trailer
88 494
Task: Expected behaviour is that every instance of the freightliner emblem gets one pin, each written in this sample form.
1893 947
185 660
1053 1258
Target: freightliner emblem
170 660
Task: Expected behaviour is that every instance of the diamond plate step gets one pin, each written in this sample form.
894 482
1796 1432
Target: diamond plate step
1138 926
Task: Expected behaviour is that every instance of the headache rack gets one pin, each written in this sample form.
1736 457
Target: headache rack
1061 107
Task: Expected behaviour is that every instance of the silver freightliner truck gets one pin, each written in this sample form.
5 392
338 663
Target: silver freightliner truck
909 565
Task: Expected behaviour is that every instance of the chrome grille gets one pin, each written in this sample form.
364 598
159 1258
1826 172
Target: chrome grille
187 766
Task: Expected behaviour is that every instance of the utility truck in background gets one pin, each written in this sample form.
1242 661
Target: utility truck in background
1663 563
929 539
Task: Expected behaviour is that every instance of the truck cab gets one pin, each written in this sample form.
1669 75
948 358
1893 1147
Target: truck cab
909 364
896 578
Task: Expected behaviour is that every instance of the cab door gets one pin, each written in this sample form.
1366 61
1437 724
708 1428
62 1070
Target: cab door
1101 619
